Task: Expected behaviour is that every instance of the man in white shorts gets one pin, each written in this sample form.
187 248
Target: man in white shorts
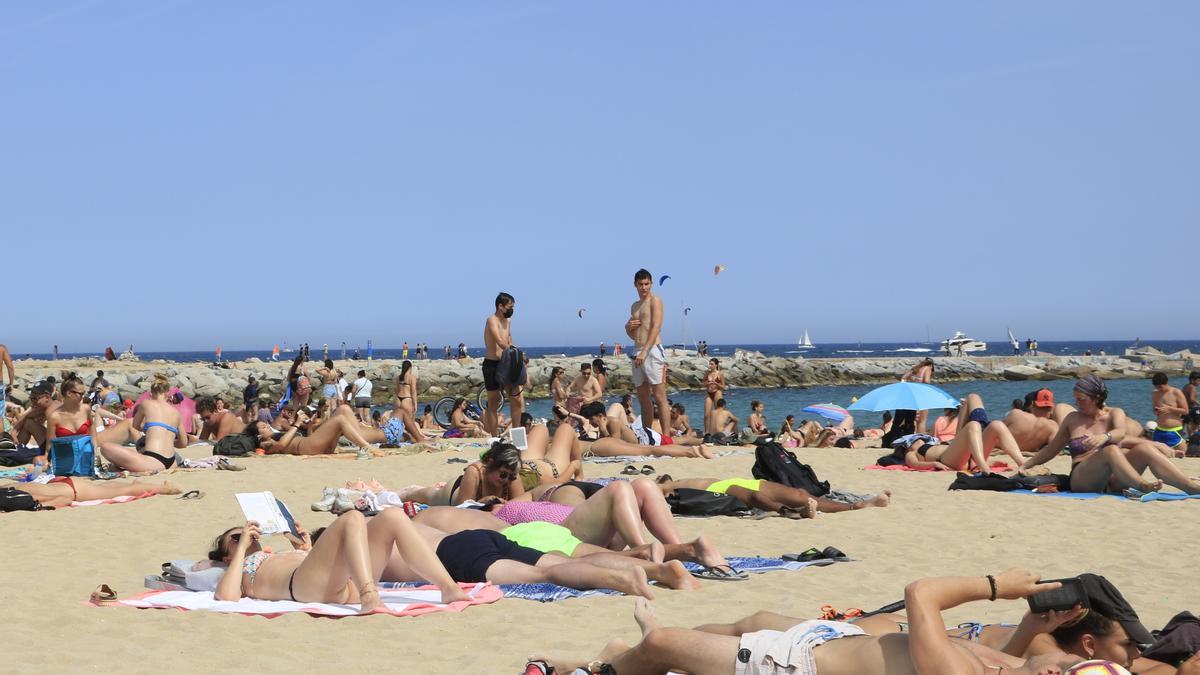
649 360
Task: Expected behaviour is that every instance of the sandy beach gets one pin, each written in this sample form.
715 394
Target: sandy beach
53 560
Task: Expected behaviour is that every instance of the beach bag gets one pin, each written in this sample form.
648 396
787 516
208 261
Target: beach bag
12 499
1177 641
510 372
234 445
984 481
72 456
690 502
777 464
19 456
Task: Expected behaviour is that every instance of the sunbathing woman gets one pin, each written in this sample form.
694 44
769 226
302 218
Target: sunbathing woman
494 478
324 439
1093 435
763 494
714 387
459 420
558 392
62 491
758 421
549 462
610 446
342 568
161 423
974 440
623 411
75 418
405 390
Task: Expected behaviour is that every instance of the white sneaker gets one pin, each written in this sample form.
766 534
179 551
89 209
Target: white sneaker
326 502
344 501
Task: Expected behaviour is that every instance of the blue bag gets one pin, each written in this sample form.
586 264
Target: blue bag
72 456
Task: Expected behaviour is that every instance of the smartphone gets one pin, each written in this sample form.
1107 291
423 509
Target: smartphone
1070 594
518 437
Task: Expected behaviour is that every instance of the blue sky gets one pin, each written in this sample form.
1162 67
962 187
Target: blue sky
185 174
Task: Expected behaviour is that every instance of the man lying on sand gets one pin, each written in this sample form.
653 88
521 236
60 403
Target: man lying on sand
834 647
763 494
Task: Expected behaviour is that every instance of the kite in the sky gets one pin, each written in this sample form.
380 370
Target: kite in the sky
718 269
581 311
686 310
663 279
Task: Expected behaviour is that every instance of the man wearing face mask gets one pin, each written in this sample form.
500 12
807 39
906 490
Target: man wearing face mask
497 339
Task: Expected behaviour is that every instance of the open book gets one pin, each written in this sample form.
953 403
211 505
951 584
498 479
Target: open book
270 513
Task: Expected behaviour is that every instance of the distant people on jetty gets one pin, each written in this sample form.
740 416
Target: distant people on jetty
603 351
645 326
501 365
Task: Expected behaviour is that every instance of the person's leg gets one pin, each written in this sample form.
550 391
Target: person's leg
572 574
755 622
324 439
609 511
1094 473
411 428
129 458
708 408
1143 456
679 649
87 490
966 445
654 511
492 412
391 528
998 435
664 407
798 498
645 403
341 554
671 574
120 433
54 495
516 406
612 447
920 422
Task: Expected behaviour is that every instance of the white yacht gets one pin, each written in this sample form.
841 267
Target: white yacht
960 343
805 342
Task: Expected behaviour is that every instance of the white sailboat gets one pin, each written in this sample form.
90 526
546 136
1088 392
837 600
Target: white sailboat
1013 341
805 342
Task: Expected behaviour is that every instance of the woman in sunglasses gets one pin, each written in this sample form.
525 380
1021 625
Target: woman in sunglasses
341 568
495 478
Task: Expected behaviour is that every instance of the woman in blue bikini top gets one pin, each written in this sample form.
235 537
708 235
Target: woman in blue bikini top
162 429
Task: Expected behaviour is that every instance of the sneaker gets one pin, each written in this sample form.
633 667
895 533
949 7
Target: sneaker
364 453
345 499
327 500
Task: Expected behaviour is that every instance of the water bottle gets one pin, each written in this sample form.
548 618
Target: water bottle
39 468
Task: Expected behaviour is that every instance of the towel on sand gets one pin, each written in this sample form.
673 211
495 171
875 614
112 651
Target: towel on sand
399 602
995 466
1148 497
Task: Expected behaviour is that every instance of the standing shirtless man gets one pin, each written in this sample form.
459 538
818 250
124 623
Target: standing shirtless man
1170 405
1034 426
497 337
1189 394
649 361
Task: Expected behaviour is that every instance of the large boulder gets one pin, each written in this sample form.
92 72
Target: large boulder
1018 372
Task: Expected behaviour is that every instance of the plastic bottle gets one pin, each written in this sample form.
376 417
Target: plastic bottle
39 468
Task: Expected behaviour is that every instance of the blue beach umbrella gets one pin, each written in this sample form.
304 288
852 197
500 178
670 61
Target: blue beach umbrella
905 396
828 410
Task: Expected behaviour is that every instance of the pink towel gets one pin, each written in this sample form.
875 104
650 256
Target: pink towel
114 500
996 466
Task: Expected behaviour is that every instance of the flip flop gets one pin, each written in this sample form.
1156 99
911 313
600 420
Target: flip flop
457 460
103 596
721 573
538 667
630 470
226 465
646 470
192 494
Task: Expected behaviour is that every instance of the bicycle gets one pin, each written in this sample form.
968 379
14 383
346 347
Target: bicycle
474 411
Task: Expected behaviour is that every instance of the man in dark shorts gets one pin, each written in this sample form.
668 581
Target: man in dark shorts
497 338
1191 391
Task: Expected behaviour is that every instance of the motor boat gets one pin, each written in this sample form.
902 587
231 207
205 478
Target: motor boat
960 343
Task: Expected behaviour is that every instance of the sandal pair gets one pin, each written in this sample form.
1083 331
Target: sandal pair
631 470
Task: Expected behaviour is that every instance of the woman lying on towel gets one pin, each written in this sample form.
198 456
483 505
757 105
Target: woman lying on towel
62 491
1094 435
546 460
342 568
324 439
975 439
763 494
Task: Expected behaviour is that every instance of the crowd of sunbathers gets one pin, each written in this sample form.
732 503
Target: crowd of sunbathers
530 516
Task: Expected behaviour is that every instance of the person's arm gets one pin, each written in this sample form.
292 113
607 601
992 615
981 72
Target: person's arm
929 647
230 586
470 486
1033 625
290 432
633 323
181 436
1051 449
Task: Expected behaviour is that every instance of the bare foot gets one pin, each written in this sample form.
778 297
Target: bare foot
705 452
811 510
1151 486
375 486
633 582
657 551
643 552
369 598
643 613
882 499
674 575
453 593
707 554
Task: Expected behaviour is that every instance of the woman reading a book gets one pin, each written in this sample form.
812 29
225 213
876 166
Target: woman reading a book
341 568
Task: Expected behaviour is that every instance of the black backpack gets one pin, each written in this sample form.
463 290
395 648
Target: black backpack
234 445
691 502
777 464
12 499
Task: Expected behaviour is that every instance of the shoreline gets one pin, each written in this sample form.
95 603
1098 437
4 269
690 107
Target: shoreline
463 377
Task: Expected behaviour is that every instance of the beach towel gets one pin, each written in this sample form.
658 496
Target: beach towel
399 601
995 466
554 592
632 459
114 500
1148 497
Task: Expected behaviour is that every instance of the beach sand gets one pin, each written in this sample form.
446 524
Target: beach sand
53 560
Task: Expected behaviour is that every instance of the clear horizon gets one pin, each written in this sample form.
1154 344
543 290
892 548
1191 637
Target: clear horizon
203 175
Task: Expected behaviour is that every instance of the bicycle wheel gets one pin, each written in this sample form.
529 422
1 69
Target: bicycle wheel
481 398
442 410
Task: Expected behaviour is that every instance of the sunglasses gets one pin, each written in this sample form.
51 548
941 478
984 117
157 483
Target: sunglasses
507 475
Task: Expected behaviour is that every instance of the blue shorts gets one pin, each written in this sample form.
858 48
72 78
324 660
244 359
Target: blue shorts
1172 438
393 431
979 415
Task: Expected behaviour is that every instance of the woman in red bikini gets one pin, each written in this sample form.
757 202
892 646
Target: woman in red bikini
62 491
73 417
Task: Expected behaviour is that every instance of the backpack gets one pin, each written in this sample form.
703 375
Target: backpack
777 464
510 372
12 499
234 445
19 456
691 502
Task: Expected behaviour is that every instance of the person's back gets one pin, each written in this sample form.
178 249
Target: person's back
151 416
